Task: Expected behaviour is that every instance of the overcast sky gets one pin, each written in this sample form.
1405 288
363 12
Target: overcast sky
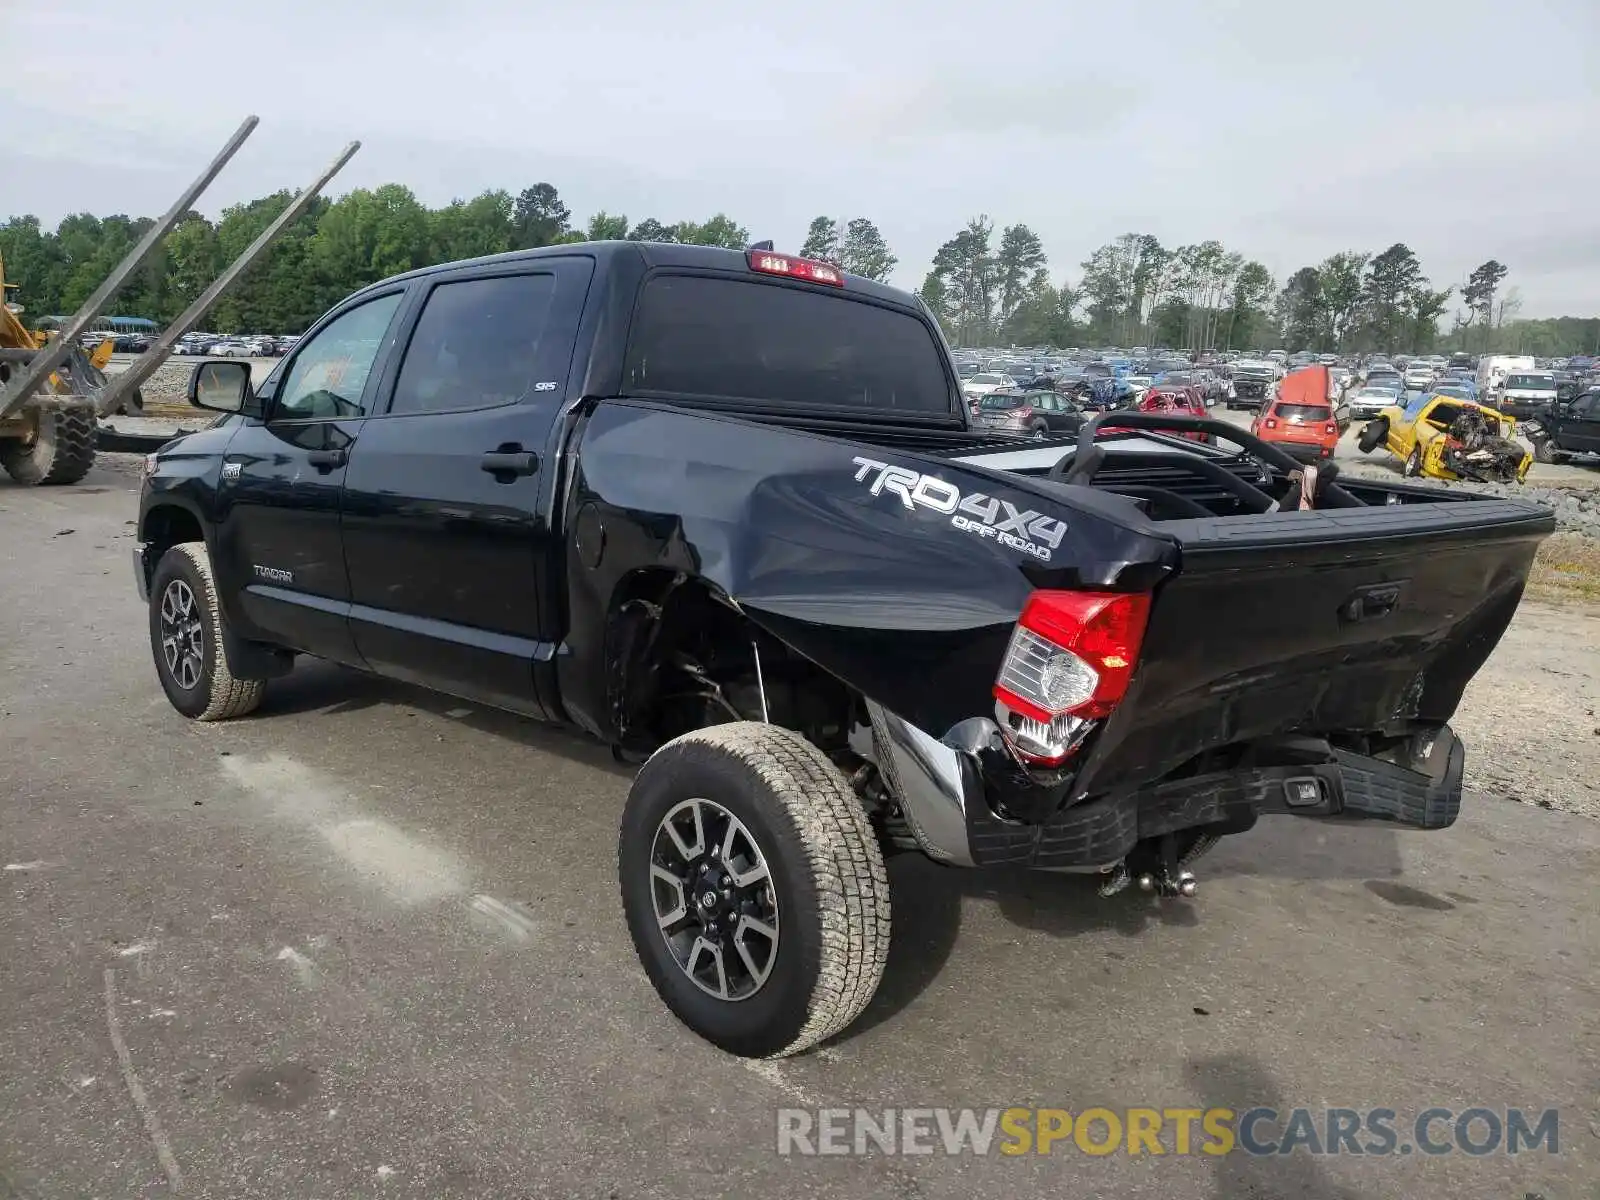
1464 128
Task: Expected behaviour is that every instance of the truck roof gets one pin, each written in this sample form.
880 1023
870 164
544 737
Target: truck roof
650 254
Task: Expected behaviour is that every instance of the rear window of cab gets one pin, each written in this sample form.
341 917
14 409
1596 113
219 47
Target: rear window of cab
726 339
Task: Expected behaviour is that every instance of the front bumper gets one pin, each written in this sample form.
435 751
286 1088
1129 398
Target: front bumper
945 790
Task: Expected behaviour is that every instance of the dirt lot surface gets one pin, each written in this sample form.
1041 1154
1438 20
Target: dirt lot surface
368 943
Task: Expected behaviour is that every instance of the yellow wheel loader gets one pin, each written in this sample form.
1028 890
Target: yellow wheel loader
53 394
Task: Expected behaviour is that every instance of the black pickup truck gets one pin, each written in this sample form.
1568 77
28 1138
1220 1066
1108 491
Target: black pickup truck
1565 428
725 511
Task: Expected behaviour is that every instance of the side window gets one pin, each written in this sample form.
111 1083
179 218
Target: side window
329 372
1587 408
476 345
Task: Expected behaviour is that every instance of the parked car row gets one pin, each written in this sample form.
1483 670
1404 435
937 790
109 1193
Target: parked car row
210 345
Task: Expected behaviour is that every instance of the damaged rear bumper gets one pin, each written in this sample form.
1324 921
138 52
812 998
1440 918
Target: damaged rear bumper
946 796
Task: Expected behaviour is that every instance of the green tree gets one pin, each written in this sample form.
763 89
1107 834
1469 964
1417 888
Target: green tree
1340 276
823 240
486 224
606 227
935 293
864 252
1389 291
971 278
1479 295
539 216
1021 254
652 230
1301 315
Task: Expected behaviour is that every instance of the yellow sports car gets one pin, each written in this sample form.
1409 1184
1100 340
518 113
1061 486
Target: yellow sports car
1446 437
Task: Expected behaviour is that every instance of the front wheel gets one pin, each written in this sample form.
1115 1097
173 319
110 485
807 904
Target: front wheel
186 640
1545 452
754 888
1413 466
1373 435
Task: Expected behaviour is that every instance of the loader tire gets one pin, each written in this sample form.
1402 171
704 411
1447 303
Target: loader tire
1373 435
60 451
805 865
186 639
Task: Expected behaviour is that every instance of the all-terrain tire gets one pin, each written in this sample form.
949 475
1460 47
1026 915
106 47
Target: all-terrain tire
216 695
1544 451
828 879
1373 435
62 450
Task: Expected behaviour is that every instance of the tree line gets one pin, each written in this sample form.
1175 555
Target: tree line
987 285
1135 291
335 248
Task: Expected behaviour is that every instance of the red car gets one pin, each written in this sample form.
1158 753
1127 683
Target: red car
1301 421
1182 399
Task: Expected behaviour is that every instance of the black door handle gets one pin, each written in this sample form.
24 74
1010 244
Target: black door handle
506 464
327 460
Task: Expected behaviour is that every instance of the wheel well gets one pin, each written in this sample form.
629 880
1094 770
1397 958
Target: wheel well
167 525
683 656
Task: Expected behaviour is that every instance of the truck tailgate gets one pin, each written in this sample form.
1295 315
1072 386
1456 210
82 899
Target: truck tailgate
1337 622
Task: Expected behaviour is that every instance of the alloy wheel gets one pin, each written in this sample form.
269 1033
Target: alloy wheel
714 900
181 632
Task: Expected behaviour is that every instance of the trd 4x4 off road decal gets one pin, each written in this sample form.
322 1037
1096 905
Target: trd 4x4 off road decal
976 513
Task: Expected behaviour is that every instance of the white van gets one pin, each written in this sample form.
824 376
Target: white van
1493 369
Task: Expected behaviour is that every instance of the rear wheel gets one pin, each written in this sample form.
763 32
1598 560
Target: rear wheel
60 449
754 888
1040 432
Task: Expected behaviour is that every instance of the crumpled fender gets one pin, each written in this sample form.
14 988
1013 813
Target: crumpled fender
900 573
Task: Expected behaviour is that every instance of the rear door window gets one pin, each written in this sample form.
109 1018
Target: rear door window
731 340
477 345
1304 412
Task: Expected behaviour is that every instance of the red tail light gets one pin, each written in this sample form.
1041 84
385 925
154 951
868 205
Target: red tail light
1071 658
795 268
1331 429
1272 423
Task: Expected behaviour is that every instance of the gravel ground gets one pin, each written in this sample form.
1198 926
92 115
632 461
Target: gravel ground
1529 717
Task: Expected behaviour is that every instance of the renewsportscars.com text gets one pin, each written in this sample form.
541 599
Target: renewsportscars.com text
1372 1132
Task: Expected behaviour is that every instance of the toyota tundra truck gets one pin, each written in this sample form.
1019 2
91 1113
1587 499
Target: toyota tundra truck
726 512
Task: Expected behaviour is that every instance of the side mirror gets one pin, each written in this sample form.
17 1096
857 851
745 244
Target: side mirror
223 387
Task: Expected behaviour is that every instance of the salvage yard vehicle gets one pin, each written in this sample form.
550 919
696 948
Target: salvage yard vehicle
1448 438
1370 401
1035 414
1303 429
1526 393
1254 383
726 512
1566 429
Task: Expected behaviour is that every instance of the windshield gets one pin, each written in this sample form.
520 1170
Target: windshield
1000 403
1304 412
1532 383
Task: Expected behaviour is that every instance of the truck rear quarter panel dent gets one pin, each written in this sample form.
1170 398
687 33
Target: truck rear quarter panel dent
894 600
